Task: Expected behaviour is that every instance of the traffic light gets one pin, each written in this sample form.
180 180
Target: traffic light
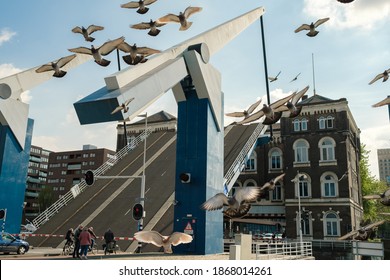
89 179
138 211
185 178
2 214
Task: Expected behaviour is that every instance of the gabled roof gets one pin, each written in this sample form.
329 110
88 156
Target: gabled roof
161 116
315 99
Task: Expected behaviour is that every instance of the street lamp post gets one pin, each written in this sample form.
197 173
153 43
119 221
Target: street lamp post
142 194
296 180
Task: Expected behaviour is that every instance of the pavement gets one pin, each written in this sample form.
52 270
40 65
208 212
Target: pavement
47 253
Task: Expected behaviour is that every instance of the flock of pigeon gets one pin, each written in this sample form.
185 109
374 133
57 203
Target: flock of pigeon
135 54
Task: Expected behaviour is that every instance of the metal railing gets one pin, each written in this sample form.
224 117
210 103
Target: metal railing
283 250
236 167
80 187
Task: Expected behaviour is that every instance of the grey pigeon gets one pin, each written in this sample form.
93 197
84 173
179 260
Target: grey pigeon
159 240
141 5
291 104
182 18
383 198
272 116
237 205
123 106
101 51
295 78
270 185
384 75
87 31
152 25
273 79
362 233
384 102
56 66
245 113
311 27
136 54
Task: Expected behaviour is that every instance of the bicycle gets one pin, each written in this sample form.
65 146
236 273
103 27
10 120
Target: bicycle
68 248
95 248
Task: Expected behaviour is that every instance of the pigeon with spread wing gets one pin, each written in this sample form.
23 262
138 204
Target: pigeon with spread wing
181 18
86 32
362 233
311 27
141 5
160 240
237 205
56 66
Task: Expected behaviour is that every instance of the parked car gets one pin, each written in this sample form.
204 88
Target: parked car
13 244
267 236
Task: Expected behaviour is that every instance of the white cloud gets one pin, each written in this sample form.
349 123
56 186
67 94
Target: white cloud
358 14
375 138
46 142
6 35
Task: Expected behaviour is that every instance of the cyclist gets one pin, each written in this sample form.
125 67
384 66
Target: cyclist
69 239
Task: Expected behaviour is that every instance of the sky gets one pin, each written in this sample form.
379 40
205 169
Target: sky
352 47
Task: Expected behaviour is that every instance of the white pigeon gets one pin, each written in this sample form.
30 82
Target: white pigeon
237 205
152 25
383 198
245 113
269 111
56 66
101 51
141 5
273 79
311 27
86 32
123 106
384 102
384 75
182 18
136 54
290 106
362 233
159 240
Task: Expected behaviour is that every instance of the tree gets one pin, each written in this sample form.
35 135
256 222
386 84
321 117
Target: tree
45 198
370 185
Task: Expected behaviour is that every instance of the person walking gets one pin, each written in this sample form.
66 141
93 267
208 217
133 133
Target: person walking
76 251
85 242
108 238
93 237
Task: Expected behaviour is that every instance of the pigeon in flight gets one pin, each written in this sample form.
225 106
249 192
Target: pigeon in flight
123 106
311 27
273 79
385 101
152 25
141 5
384 198
237 205
362 233
101 51
136 54
291 104
56 66
384 75
270 185
87 31
245 113
272 116
295 78
159 240
181 18
345 1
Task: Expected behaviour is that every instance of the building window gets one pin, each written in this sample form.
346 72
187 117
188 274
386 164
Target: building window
275 158
301 151
277 192
327 146
331 224
329 185
303 186
300 124
250 183
251 162
306 223
324 123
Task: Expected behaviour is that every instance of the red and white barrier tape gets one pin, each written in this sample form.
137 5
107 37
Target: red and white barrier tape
24 235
